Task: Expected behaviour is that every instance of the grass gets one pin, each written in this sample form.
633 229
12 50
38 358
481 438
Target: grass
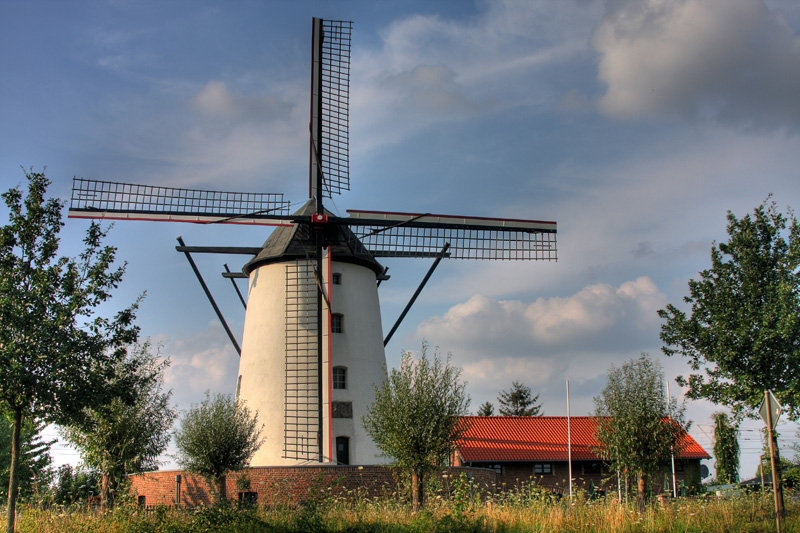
460 513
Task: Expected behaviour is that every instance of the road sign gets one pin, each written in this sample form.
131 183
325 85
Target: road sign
770 406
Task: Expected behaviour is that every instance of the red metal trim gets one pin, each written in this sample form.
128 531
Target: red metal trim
450 216
89 217
330 365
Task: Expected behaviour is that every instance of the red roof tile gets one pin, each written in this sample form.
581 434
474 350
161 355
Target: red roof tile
538 438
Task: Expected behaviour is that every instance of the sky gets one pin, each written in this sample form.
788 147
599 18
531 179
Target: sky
635 124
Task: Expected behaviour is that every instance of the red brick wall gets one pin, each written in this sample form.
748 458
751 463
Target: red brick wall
284 485
516 474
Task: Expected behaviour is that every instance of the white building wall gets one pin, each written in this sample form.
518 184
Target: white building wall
359 348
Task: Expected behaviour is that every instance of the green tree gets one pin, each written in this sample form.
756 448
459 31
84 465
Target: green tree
486 409
638 428
415 418
122 437
765 463
35 464
726 448
216 437
742 334
519 401
56 357
73 485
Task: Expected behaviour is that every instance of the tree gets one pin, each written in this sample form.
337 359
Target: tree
519 401
216 437
486 409
638 428
742 335
416 416
75 484
726 448
56 357
796 449
765 463
122 438
35 470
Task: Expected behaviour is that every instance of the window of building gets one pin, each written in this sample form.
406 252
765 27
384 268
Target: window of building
342 409
248 498
339 377
594 467
497 467
336 278
337 323
142 500
343 450
678 465
543 469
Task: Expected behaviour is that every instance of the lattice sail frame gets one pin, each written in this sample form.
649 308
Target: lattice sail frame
424 235
336 106
108 199
330 107
301 415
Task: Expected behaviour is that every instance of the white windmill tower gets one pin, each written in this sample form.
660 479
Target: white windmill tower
312 346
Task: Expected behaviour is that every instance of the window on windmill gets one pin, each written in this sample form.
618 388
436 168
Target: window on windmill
339 377
342 409
336 278
337 323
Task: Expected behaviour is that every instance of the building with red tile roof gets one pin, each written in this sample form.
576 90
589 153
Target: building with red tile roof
535 448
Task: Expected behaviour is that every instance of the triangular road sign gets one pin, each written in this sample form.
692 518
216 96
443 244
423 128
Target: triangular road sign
769 405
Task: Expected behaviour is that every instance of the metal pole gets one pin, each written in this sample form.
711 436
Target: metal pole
672 449
419 290
776 475
236 287
569 445
211 299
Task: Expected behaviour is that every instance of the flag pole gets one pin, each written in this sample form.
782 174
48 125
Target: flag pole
672 451
569 445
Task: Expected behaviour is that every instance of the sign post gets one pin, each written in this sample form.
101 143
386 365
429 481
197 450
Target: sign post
770 410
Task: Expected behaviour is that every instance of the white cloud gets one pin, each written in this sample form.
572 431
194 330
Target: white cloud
732 60
216 100
430 69
201 362
599 316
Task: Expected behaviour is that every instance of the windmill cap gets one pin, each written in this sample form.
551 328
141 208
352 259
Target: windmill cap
289 243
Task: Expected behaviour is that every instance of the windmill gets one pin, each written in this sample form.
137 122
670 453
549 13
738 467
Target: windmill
312 346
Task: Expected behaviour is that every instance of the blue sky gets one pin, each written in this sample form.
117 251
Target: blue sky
636 125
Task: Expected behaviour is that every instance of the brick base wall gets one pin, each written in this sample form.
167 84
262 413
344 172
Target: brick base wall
284 484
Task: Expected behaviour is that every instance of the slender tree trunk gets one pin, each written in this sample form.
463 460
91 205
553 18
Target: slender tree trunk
417 494
641 492
107 485
13 478
221 491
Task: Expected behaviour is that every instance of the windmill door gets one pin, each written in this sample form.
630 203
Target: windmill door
343 450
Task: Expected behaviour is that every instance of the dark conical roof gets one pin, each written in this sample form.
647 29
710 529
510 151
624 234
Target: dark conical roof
297 242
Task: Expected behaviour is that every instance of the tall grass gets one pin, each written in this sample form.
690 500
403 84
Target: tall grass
459 512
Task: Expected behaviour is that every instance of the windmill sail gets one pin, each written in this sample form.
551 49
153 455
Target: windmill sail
423 235
128 201
301 414
330 109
